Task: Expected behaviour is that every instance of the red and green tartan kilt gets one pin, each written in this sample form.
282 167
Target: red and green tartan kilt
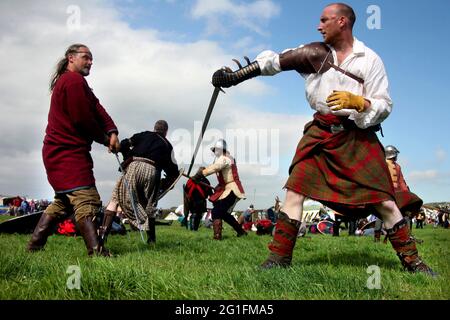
346 171
408 201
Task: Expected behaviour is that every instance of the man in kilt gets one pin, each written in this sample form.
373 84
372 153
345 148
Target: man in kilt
146 154
339 161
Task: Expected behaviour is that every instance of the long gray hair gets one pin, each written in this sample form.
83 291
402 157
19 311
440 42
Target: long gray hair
62 64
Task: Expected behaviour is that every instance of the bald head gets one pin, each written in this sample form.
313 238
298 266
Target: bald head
161 127
344 10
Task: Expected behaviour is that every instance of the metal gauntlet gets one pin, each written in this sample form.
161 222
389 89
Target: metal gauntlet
226 78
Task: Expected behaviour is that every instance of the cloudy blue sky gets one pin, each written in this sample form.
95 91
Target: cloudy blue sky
154 59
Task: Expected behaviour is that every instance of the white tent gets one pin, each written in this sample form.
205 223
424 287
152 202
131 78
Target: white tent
171 216
179 211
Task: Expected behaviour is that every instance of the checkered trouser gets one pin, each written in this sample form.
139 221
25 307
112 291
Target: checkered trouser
139 179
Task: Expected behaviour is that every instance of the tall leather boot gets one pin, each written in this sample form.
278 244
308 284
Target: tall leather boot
228 218
104 230
283 242
151 232
377 236
89 234
41 232
405 246
217 227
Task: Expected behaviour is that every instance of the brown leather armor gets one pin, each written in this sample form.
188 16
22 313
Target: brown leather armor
315 57
311 58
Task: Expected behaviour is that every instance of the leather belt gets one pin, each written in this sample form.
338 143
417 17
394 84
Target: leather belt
149 161
346 125
127 162
335 128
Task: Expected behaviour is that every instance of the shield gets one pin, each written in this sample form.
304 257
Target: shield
23 224
368 225
162 193
325 227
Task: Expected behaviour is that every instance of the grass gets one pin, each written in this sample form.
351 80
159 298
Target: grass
190 265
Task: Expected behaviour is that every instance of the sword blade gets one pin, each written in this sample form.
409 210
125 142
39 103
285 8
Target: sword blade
212 102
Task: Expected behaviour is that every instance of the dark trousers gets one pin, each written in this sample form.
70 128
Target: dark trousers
351 227
419 224
222 210
336 225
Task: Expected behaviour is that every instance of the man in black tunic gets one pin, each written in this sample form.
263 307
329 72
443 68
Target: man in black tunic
146 155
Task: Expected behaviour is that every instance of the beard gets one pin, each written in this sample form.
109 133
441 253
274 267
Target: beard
85 71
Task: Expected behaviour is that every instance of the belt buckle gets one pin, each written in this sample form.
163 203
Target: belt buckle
336 128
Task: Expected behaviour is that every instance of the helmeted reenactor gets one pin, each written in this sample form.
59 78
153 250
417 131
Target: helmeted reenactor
227 193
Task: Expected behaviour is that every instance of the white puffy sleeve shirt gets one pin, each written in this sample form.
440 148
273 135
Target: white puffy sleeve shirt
362 62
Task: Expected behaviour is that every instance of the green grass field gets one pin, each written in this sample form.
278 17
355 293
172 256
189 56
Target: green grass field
190 265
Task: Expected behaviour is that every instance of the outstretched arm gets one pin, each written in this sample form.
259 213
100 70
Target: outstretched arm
315 57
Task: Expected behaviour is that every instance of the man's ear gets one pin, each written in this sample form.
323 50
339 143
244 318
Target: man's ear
343 21
70 58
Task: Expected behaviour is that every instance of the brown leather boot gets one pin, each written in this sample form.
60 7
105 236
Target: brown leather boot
104 229
405 246
377 236
41 232
283 242
217 227
89 233
151 233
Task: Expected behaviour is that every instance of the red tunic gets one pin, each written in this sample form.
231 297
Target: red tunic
406 200
75 120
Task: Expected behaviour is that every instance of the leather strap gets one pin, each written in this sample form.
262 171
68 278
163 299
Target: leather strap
349 74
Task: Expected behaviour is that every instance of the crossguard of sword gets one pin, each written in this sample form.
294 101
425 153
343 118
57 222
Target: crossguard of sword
239 64
229 71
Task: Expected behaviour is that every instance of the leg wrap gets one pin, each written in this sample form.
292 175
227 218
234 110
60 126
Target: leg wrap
283 242
405 246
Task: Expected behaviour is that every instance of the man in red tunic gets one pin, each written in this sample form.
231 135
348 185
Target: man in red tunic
76 119
339 161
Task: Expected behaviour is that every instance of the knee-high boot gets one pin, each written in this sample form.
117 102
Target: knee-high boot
90 236
377 235
283 242
104 230
405 246
217 227
41 232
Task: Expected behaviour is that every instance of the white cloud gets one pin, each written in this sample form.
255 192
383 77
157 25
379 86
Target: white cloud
423 175
441 155
220 14
138 78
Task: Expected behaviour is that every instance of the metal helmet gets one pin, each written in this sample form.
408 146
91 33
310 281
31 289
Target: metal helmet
220 144
391 152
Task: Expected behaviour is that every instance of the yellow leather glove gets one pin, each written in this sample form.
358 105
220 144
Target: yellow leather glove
345 100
